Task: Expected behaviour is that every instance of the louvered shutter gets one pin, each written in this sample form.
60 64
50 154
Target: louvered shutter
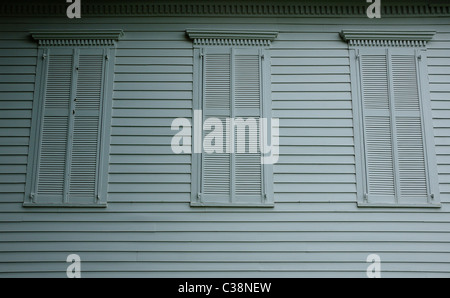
232 89
393 131
247 106
412 184
52 146
379 159
217 103
86 126
70 134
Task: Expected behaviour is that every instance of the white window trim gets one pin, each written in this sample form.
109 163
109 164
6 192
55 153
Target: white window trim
72 39
232 39
417 39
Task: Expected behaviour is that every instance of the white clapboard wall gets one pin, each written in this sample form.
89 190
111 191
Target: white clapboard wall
149 228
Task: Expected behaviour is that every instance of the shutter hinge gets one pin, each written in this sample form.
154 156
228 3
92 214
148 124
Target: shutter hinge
98 198
265 197
366 196
432 196
199 196
419 56
357 56
262 56
44 56
33 197
107 57
202 55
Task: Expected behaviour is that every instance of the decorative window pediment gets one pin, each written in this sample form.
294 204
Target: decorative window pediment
387 38
231 37
77 37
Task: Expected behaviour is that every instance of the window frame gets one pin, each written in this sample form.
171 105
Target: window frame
231 39
384 40
72 40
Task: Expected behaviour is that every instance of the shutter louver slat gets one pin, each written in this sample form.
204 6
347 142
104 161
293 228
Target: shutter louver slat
53 156
59 80
83 171
247 82
248 169
404 74
379 155
54 135
217 174
375 84
217 82
411 158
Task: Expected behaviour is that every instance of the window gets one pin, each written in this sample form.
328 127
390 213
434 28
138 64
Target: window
69 146
396 163
232 90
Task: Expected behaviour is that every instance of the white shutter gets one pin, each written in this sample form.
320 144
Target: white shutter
408 127
379 159
86 126
216 167
53 142
70 134
247 106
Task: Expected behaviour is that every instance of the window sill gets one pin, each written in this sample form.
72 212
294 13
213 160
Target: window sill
36 205
386 205
232 205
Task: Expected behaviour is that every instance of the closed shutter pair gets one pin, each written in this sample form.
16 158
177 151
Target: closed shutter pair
232 87
395 159
69 131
